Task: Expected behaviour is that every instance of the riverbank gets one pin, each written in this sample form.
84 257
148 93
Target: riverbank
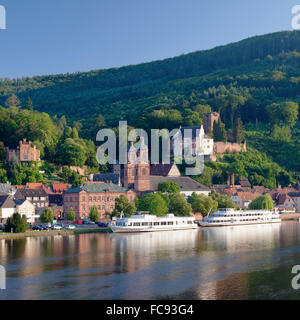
5 236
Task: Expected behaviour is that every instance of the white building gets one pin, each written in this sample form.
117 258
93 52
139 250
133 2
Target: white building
7 208
193 139
26 209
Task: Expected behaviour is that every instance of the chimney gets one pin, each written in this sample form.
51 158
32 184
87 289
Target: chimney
228 181
232 179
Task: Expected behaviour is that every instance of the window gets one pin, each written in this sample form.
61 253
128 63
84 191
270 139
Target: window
83 199
90 199
95 199
99 198
137 224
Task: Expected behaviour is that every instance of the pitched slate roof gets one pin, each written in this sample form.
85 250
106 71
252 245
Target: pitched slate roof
244 182
6 201
161 169
107 177
185 183
97 188
23 193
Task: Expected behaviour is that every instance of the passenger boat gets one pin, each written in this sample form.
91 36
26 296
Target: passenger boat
232 217
150 223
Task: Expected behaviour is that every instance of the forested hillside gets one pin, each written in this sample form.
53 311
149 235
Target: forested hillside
256 80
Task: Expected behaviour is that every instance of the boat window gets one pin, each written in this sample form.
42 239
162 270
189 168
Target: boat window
170 223
136 224
156 223
144 223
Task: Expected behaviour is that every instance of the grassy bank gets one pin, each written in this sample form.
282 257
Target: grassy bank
50 233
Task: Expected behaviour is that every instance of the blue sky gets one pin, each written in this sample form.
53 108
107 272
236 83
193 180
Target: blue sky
59 36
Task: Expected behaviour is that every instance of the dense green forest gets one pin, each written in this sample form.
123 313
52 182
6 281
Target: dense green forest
256 80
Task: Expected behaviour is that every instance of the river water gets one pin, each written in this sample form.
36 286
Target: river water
242 262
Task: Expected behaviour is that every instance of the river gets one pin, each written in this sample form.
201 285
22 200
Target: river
242 262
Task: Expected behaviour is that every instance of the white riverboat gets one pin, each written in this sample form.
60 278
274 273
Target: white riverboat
232 217
150 223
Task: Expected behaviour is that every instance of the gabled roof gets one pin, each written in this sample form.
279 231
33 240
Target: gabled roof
30 193
194 130
185 183
244 182
60 187
6 201
161 169
248 196
97 188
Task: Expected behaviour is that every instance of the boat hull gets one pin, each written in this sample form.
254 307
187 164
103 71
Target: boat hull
117 229
211 225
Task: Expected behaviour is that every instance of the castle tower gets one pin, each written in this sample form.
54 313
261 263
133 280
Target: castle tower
208 121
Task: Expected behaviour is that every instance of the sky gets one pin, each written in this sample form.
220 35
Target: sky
60 36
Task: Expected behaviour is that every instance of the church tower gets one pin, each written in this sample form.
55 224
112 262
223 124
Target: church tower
130 168
142 180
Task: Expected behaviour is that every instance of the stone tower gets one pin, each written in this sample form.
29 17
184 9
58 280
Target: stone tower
208 121
142 179
137 170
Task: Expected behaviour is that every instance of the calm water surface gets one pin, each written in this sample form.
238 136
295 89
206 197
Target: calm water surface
243 262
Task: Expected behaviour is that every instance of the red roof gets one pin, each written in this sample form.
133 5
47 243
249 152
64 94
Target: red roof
60 187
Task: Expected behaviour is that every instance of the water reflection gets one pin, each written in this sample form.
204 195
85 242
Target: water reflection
209 263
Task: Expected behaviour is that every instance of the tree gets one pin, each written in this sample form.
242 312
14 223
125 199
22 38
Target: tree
16 223
47 216
94 214
219 131
238 131
154 203
283 114
179 206
75 179
100 122
72 152
264 202
223 200
12 101
71 215
28 105
123 204
168 187
203 204
281 134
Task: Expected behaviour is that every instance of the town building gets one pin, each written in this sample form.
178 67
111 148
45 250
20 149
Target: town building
102 195
7 208
106 178
59 188
27 210
38 197
187 185
194 140
165 170
24 152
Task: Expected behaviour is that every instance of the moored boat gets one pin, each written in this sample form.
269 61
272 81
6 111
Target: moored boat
232 217
150 223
